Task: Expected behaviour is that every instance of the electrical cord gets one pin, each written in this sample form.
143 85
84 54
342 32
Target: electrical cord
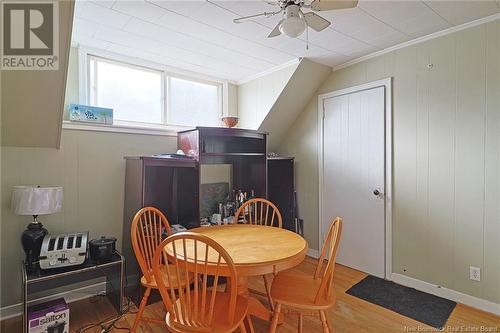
109 323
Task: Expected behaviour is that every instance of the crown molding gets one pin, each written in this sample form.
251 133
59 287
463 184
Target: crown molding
418 40
269 71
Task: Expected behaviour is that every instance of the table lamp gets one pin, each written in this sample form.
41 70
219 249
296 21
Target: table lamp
35 200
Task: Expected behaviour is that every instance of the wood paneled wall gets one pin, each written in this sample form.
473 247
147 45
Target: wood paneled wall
256 97
446 127
91 168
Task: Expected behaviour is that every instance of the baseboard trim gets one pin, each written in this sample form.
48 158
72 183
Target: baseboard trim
450 294
70 296
313 253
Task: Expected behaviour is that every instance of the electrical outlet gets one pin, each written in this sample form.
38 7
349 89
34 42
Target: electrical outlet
475 273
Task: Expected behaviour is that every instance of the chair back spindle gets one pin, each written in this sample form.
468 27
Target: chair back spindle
328 251
259 211
147 231
192 309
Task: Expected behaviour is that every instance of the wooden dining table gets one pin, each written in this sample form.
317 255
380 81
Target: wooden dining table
256 250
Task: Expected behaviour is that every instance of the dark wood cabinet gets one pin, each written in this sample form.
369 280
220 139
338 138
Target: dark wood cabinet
245 150
173 184
281 188
168 184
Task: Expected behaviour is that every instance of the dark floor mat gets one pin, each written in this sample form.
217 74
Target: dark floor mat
425 308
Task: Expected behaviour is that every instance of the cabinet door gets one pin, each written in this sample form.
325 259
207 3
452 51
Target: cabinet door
281 188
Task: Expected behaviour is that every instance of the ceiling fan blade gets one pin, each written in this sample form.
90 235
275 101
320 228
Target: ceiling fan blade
276 31
322 5
251 17
316 22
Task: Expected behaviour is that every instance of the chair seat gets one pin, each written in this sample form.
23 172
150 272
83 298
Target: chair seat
176 284
220 323
299 290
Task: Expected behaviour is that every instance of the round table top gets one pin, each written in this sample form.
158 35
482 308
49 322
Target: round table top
257 249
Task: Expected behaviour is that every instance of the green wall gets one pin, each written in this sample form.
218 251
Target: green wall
72 82
446 164
31 100
256 97
91 168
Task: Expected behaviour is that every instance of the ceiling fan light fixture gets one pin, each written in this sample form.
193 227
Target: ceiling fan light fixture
294 24
294 21
293 27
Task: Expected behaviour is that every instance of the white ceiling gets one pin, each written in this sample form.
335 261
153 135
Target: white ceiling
200 36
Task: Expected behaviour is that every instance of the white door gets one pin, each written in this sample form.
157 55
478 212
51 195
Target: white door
353 176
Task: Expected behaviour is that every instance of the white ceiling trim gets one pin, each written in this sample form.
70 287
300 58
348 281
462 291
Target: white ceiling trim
268 71
419 40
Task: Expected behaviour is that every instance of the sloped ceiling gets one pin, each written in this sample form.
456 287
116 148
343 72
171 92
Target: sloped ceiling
32 102
303 83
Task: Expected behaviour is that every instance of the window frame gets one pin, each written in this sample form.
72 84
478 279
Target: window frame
86 54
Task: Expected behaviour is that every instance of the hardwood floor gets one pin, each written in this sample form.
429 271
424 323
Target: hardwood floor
350 314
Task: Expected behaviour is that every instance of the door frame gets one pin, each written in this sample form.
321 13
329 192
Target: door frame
387 84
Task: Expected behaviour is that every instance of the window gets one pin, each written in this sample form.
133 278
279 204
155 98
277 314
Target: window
150 96
192 102
134 93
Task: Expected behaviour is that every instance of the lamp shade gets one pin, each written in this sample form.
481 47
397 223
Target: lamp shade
35 200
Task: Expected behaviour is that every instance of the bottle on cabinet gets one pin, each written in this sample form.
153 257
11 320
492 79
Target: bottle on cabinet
234 200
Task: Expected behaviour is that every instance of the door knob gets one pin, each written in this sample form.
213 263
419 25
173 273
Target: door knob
376 192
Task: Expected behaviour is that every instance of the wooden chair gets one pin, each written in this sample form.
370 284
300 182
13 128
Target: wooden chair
148 227
310 295
260 212
204 308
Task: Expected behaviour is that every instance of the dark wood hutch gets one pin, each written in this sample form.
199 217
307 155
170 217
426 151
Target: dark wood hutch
173 184
169 184
245 150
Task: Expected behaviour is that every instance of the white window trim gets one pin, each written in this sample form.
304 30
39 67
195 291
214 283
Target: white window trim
122 128
84 54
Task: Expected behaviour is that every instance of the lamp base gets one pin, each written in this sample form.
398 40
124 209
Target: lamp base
32 239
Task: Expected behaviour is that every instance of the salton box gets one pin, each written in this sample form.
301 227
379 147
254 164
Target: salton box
49 317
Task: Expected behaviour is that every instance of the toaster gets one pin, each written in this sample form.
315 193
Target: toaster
63 250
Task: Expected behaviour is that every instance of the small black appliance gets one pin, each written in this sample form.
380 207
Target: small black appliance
102 249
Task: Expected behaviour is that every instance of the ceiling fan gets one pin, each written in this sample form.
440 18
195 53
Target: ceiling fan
294 20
